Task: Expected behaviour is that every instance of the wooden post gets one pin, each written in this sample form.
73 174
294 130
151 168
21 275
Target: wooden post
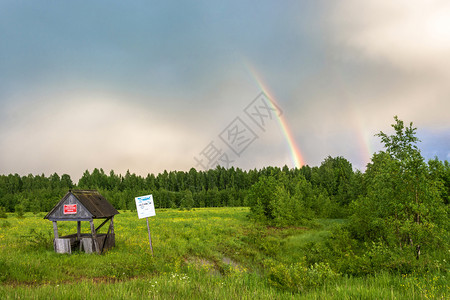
78 230
55 229
101 225
112 236
108 236
149 237
94 237
79 233
112 225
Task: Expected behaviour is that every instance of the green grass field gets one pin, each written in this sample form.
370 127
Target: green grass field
209 253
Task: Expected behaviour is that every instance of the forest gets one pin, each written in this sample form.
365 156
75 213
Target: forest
334 182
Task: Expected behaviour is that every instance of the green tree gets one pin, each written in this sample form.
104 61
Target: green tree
260 198
35 206
440 172
335 175
187 202
66 182
85 181
55 181
403 206
272 202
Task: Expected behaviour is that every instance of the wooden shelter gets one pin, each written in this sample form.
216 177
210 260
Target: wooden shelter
83 205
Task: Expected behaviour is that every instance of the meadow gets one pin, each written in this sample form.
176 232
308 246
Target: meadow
204 253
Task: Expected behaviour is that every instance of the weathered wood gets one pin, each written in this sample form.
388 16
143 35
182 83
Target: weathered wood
101 225
106 238
69 199
111 225
94 237
109 242
112 236
62 245
83 205
78 229
86 245
55 229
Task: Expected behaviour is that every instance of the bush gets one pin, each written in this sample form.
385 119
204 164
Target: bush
298 277
348 256
20 210
271 202
3 214
4 270
38 239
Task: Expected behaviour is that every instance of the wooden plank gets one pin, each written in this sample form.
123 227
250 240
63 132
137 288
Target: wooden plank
55 229
62 245
112 236
69 199
94 237
110 243
78 230
111 225
86 245
106 237
101 225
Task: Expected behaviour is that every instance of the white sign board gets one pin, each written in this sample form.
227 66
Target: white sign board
145 206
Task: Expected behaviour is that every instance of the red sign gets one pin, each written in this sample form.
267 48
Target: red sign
70 209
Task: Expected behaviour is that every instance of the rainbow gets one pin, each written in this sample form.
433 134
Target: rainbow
365 137
297 157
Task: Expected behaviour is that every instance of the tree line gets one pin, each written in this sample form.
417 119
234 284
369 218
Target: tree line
328 190
334 180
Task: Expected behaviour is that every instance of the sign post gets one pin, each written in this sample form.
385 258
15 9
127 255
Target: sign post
146 208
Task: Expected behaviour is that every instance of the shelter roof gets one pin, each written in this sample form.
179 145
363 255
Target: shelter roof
95 204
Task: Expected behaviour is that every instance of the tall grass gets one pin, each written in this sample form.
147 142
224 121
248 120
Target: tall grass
210 253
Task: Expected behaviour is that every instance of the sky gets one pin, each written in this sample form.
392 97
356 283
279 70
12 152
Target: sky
151 86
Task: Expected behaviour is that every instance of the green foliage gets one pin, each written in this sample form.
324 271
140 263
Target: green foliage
281 201
403 206
335 176
187 202
439 172
349 256
5 224
261 197
19 210
211 188
35 206
38 239
3 214
298 277
4 270
271 202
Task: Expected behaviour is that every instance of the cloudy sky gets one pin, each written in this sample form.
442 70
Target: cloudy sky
173 85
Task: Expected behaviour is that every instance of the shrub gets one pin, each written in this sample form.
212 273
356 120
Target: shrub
271 202
20 210
3 214
298 277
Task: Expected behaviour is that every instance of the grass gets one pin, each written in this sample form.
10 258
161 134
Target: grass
208 253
